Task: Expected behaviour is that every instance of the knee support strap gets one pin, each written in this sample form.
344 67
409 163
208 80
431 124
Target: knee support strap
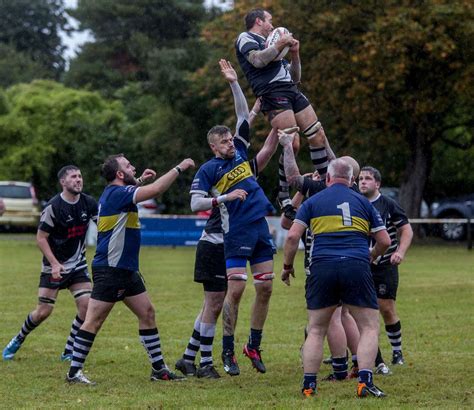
43 300
262 277
312 130
80 293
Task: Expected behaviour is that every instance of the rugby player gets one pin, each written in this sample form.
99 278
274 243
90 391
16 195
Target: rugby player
210 268
115 264
385 268
275 81
341 221
61 237
246 233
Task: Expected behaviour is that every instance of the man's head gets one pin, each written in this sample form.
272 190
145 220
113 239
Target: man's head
118 168
259 21
370 180
354 164
339 172
221 141
70 178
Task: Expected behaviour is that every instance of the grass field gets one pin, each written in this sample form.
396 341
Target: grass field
436 305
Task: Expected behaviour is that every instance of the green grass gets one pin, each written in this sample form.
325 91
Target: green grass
435 304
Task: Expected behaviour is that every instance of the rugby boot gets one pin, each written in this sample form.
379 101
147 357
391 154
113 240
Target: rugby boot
11 348
185 367
332 378
255 357
79 378
207 372
383 369
397 358
308 393
364 391
354 373
165 374
66 357
230 363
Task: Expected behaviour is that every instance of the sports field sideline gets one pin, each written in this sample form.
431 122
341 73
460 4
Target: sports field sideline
436 306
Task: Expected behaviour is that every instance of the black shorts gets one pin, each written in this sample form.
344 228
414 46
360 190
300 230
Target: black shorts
284 99
385 280
115 284
346 280
209 268
67 280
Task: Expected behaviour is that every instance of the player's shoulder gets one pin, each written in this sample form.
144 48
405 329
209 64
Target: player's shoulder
246 38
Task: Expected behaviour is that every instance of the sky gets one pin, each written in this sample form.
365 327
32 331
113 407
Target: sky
77 38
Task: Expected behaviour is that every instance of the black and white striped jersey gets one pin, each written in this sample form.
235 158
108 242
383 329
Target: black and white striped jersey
67 225
394 218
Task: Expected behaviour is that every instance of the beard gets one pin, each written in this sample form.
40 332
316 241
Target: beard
129 179
74 191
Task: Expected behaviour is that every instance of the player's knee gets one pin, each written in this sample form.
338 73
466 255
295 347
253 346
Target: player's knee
42 312
264 287
313 135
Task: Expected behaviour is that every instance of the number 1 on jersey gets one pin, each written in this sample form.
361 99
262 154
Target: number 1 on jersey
346 213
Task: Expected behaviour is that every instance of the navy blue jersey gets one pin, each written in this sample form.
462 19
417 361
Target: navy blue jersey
273 77
118 240
67 223
394 218
220 176
341 222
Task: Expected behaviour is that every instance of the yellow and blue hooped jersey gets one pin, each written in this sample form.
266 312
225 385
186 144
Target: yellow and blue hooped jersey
341 221
220 176
118 239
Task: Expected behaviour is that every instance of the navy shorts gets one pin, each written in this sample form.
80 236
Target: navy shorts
67 280
284 99
209 267
385 280
346 280
249 241
114 284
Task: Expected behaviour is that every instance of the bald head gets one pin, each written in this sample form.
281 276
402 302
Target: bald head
353 163
339 171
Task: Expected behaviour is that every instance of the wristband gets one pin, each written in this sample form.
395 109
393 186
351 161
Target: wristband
140 180
253 112
287 267
178 169
214 202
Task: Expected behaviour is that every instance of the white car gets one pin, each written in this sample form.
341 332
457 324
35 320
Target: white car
21 204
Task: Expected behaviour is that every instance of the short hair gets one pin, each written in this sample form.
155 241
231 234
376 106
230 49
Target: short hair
252 17
355 165
64 170
110 167
338 168
374 171
217 130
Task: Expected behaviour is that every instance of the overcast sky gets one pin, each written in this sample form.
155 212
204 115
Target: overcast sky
76 39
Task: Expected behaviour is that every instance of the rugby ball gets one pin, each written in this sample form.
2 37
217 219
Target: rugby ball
273 37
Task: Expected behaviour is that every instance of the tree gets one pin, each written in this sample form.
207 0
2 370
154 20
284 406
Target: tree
134 38
32 28
47 126
388 79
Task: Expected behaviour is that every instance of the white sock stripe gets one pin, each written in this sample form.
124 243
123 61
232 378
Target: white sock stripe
156 359
153 351
208 329
150 338
398 333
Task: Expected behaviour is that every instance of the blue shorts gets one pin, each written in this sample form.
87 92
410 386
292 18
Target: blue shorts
249 241
346 280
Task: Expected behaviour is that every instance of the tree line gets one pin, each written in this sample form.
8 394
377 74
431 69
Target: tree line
392 82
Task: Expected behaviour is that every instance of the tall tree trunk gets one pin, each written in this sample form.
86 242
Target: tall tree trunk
416 175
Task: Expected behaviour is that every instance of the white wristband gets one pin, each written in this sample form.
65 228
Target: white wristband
221 198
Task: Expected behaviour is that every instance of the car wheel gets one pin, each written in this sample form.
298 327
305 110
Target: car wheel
453 231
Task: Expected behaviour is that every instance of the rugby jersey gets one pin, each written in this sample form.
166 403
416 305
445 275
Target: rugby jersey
220 176
341 221
118 239
394 217
274 76
66 223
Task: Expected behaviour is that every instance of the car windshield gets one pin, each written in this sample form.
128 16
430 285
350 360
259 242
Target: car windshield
14 191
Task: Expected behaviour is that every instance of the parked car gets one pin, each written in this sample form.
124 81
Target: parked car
21 204
456 207
394 193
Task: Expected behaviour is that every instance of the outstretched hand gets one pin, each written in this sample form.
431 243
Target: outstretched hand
286 137
227 70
